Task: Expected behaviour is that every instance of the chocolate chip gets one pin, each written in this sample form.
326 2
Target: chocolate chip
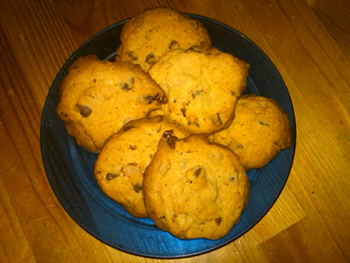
111 176
218 220
183 110
159 118
197 172
263 123
149 56
131 55
149 59
174 45
85 111
171 138
125 86
160 99
151 99
137 187
168 133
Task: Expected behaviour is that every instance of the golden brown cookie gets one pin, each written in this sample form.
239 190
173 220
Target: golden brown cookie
195 189
149 35
202 88
98 97
124 157
259 131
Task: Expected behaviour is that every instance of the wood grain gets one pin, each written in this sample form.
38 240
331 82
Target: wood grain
309 43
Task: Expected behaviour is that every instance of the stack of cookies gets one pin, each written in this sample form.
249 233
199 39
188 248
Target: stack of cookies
174 133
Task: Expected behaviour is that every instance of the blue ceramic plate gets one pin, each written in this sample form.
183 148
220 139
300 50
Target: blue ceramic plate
69 168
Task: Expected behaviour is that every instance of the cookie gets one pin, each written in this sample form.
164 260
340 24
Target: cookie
148 36
124 157
195 189
202 87
259 131
98 97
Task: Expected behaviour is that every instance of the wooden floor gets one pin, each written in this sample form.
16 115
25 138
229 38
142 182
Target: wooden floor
309 43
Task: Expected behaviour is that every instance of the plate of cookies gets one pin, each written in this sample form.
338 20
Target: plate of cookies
168 134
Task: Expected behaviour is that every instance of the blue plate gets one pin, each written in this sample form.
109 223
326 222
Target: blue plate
69 168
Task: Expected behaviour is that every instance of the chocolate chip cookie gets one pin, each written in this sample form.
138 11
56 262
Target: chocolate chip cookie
259 131
124 157
148 36
195 189
98 97
202 87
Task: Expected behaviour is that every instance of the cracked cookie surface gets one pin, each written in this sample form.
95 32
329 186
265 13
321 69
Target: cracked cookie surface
98 97
124 157
259 131
195 189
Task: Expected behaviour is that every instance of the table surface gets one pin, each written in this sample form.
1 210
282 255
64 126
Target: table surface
309 43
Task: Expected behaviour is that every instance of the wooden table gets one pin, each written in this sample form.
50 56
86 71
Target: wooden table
308 41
